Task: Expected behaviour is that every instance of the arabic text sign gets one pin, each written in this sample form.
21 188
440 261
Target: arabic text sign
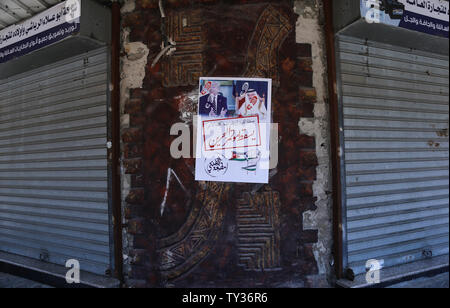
44 29
437 9
427 16
232 133
233 129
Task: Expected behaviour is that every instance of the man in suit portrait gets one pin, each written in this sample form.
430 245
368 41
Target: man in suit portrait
213 104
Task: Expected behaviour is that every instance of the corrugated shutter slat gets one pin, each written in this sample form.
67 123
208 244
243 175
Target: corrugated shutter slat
395 108
53 162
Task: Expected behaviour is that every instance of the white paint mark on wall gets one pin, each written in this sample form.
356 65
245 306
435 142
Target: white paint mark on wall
133 64
171 172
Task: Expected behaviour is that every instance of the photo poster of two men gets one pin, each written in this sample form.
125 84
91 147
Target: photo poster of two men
233 130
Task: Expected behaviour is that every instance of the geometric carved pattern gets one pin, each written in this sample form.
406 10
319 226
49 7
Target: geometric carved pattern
258 226
258 220
271 30
185 66
193 242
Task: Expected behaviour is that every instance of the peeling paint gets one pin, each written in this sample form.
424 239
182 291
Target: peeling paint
310 31
442 132
187 105
133 64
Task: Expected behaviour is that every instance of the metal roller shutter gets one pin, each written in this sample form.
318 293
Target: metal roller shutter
394 107
53 163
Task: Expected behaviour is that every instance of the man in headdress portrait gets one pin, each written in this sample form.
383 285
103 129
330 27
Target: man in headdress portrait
250 101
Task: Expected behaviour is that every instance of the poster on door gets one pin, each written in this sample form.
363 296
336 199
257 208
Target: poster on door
233 130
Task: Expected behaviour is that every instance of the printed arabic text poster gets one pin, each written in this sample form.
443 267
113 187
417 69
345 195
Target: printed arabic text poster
233 130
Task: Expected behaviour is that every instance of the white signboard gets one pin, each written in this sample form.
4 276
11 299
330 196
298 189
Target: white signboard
41 30
233 130
427 16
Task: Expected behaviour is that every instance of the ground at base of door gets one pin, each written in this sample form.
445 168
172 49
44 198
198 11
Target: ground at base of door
438 281
10 281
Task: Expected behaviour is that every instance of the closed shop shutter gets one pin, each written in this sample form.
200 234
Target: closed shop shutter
53 163
394 107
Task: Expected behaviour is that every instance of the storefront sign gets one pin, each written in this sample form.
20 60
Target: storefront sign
428 16
233 130
44 29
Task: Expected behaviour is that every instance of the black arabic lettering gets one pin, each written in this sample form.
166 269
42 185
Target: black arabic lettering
34 25
216 166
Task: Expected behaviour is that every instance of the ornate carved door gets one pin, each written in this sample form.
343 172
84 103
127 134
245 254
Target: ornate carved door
217 234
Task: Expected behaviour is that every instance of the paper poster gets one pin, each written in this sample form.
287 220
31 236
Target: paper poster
233 130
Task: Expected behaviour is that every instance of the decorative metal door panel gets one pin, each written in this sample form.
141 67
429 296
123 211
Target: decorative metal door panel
198 234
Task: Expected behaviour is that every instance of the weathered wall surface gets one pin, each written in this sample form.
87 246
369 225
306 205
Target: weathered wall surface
179 232
310 30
